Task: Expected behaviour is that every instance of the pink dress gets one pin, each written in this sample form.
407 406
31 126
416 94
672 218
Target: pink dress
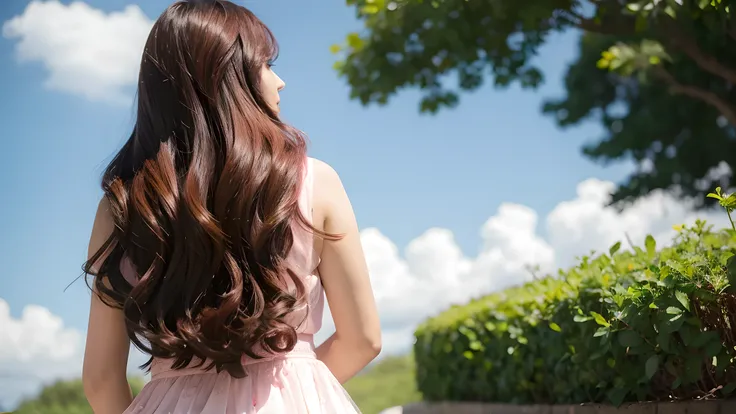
295 383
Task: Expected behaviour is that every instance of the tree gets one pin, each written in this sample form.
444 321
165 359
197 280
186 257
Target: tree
658 74
675 139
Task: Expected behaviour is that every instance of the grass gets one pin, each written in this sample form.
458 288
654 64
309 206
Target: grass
390 382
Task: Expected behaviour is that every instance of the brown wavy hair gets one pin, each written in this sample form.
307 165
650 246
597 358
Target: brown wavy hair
204 197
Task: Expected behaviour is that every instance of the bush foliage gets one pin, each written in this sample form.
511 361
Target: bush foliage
626 325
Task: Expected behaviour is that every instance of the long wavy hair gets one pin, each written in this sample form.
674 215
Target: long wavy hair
204 197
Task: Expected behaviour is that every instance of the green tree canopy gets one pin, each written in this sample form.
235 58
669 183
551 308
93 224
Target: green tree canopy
658 74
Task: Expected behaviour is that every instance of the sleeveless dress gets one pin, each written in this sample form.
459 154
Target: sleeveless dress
293 383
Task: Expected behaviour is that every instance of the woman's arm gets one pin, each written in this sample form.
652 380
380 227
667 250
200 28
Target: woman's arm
344 274
106 352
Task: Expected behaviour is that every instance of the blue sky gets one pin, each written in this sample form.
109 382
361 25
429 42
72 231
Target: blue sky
405 172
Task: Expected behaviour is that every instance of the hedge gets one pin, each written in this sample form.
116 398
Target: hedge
633 325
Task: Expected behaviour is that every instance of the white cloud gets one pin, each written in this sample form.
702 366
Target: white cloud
34 348
432 274
38 333
85 51
575 227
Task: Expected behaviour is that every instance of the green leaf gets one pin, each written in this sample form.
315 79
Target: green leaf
370 9
604 330
689 335
617 395
335 49
713 348
693 366
671 325
651 245
338 66
729 202
581 318
629 339
725 257
600 320
640 23
673 310
354 41
616 246
731 272
683 299
679 267
555 327
651 366
676 383
704 338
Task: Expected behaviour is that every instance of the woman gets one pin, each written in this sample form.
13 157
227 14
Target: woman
217 237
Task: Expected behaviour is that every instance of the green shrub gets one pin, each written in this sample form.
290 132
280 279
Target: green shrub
623 326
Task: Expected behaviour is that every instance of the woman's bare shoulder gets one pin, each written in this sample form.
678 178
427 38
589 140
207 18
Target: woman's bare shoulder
329 194
327 181
323 172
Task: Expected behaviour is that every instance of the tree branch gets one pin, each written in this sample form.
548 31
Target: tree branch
607 23
669 31
673 34
725 108
575 14
621 26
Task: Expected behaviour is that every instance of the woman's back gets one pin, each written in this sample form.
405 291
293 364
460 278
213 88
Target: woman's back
217 238
295 382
